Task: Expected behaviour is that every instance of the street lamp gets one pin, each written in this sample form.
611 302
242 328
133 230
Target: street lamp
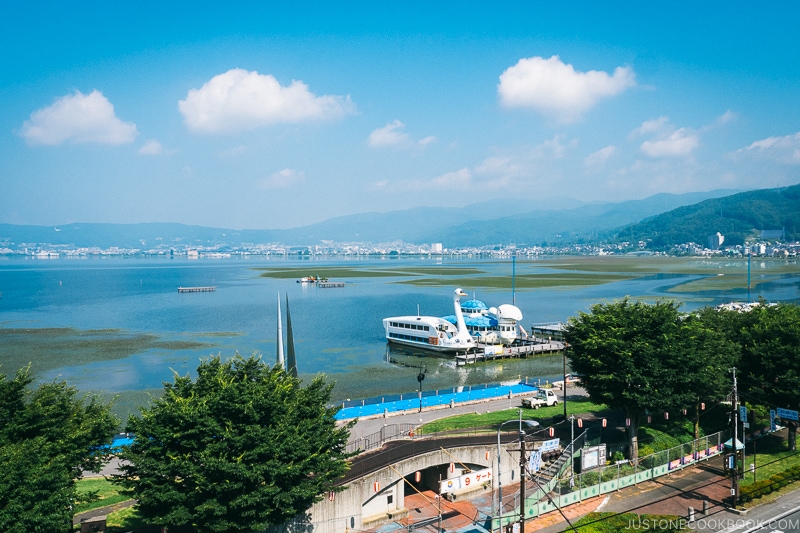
520 421
421 378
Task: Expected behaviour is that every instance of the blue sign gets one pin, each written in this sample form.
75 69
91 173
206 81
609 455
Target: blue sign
535 461
787 414
549 445
772 425
743 413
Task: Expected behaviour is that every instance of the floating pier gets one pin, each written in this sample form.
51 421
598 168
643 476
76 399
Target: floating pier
489 352
196 289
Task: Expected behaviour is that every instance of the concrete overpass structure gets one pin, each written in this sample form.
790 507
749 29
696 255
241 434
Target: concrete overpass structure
379 481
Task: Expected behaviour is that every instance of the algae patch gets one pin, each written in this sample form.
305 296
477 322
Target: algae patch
48 348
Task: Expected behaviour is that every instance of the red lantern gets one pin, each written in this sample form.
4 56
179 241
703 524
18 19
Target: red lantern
377 486
605 422
487 455
666 416
580 422
452 467
703 406
552 431
417 476
649 419
628 422
331 495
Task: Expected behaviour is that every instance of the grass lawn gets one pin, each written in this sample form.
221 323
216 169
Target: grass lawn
494 419
772 457
97 492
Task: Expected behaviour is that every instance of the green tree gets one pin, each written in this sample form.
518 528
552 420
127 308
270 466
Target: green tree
241 447
48 437
703 360
639 357
770 364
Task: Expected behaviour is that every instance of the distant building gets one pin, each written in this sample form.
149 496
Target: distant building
715 241
436 248
773 234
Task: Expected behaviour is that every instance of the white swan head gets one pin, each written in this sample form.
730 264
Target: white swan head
458 293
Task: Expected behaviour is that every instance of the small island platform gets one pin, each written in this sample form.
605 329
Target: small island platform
196 289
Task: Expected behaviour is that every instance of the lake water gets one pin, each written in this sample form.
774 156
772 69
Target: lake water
338 331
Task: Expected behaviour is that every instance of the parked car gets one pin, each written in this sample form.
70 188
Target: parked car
544 397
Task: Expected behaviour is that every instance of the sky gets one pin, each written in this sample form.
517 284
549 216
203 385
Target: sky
268 115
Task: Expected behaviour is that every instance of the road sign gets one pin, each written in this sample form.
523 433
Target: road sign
742 413
535 461
787 414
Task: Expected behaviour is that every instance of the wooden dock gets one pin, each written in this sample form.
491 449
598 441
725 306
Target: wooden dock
329 284
481 353
196 289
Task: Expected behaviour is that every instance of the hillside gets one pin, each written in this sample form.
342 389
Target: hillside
738 217
511 221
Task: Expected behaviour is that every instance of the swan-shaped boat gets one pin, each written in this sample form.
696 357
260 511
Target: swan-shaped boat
490 325
431 332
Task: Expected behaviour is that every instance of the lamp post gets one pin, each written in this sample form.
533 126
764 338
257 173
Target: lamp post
421 378
499 477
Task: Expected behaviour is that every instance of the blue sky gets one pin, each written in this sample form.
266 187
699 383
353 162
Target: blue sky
279 114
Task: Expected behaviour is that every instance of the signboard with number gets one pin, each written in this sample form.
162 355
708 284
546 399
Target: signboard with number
466 481
787 414
743 413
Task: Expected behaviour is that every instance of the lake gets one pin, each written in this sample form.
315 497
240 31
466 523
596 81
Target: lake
119 325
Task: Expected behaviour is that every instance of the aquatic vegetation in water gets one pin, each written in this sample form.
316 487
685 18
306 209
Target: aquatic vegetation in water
68 346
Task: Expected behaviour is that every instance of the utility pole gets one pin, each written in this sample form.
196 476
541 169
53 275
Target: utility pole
735 469
522 481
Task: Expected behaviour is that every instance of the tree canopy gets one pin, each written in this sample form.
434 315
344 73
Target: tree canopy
770 364
241 447
48 437
640 357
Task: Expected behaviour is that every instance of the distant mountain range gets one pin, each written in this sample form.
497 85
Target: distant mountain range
737 217
661 219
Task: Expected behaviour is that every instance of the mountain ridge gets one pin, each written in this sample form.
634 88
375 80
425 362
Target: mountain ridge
555 220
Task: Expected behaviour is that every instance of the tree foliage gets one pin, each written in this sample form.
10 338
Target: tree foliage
48 437
770 365
640 357
240 447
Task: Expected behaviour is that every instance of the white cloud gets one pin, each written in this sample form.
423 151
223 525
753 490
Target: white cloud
498 166
78 118
784 149
726 117
392 134
151 148
556 89
597 160
679 143
460 179
388 135
555 147
240 100
650 126
282 179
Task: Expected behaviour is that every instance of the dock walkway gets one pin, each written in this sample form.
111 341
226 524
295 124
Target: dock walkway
196 289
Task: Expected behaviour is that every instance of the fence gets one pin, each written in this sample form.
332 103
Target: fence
568 487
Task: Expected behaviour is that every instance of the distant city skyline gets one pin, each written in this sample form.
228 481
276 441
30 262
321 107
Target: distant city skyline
266 115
